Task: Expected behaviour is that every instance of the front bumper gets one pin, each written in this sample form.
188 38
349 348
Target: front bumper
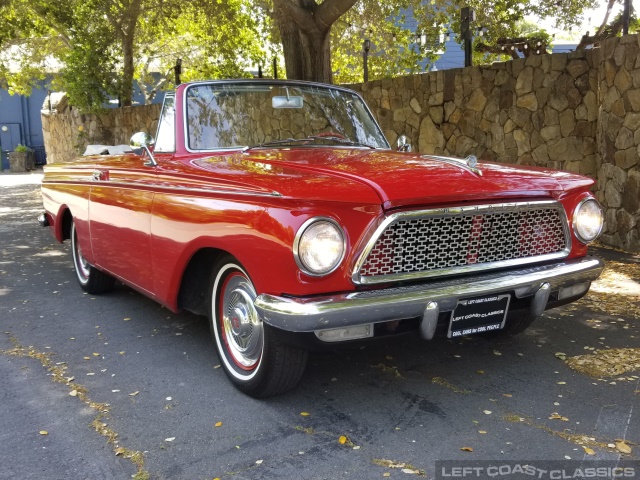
423 300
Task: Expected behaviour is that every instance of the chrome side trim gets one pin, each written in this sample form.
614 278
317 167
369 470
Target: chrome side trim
452 211
150 185
219 191
360 308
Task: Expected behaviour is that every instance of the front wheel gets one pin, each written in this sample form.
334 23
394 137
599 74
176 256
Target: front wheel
253 358
91 279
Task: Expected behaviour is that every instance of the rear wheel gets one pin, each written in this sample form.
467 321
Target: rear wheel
91 279
250 353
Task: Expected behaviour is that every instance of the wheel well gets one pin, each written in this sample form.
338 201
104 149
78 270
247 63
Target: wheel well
67 219
195 280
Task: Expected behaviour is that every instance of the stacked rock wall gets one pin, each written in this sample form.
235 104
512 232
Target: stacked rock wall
542 110
618 139
68 132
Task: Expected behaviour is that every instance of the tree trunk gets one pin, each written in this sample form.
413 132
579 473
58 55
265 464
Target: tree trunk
305 30
306 56
128 31
126 85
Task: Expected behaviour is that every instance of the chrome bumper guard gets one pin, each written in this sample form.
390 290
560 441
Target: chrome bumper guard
385 304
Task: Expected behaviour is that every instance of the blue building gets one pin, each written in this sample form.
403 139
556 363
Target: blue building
20 123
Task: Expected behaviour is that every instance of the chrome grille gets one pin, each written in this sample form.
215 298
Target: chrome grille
442 242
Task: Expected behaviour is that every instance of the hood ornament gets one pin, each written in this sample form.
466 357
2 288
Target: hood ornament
470 163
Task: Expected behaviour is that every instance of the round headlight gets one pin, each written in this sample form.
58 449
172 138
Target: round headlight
588 220
319 246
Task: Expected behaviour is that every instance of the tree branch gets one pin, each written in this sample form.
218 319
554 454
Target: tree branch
611 30
330 10
300 16
606 17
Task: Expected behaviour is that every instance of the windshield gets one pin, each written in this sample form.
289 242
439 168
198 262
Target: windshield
245 115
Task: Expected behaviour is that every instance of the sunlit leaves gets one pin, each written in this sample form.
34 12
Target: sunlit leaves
89 41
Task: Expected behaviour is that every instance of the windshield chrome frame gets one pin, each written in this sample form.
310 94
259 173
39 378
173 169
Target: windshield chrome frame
282 83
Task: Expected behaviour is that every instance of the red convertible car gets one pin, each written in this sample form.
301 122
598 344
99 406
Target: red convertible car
279 210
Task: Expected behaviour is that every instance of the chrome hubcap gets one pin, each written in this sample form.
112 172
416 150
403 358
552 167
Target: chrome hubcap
82 266
243 331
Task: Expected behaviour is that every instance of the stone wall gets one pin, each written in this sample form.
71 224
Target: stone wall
542 110
67 132
618 139
577 111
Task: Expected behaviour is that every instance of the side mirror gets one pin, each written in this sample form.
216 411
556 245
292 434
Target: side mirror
403 144
142 141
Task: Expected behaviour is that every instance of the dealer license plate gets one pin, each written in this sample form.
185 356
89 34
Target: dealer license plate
477 315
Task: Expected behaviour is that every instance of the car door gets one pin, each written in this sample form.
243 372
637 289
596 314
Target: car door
120 219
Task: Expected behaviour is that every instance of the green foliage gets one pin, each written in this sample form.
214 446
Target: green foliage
89 42
22 148
395 49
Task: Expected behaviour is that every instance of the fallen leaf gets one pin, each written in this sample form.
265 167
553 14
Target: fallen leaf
134 393
562 383
409 471
170 439
386 474
623 447
87 358
96 354
589 451
508 395
482 431
259 462
496 352
342 440
467 449
119 451
305 414
43 432
126 319
73 393
487 412
121 353
480 372
218 424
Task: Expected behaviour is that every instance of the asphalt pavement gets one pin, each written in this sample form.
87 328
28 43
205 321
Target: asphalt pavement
115 386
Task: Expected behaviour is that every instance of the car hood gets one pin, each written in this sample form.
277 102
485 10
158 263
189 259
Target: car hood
398 179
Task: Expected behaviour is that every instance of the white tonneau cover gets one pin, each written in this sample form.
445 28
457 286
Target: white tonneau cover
107 149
